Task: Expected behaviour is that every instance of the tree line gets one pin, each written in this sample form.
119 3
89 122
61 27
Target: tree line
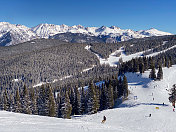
65 101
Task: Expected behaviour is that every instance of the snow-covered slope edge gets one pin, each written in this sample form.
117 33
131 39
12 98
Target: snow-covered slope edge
131 116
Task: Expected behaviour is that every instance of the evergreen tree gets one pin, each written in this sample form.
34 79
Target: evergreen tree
160 73
110 98
172 95
145 60
92 99
83 101
66 107
125 87
115 89
58 102
52 104
34 102
43 100
11 102
26 102
17 105
103 99
77 102
141 67
72 99
5 101
120 89
152 73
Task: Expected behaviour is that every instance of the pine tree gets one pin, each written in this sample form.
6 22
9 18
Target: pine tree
160 73
110 98
145 60
120 89
5 101
34 107
141 67
52 104
172 95
58 102
125 87
92 100
66 107
17 105
83 101
11 102
152 73
42 103
26 102
72 99
103 99
115 89
77 102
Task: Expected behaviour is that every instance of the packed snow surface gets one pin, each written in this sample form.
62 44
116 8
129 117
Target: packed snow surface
131 116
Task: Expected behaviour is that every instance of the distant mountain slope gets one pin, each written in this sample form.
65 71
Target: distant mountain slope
77 38
11 34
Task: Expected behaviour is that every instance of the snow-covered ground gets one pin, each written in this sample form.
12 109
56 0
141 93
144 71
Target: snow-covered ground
131 116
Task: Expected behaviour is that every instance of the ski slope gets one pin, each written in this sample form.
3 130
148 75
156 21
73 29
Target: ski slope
131 116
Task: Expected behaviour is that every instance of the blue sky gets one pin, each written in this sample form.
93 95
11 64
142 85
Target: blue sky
126 14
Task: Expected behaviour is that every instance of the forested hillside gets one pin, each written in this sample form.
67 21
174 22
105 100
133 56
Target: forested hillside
44 71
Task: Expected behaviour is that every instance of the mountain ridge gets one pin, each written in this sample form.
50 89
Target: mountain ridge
11 34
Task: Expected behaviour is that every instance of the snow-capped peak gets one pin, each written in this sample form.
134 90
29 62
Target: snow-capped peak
15 33
153 32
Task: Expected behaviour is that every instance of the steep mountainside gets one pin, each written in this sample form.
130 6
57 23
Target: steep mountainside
11 34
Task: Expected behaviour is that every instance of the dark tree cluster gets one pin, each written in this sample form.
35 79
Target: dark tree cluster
144 44
103 49
142 64
65 101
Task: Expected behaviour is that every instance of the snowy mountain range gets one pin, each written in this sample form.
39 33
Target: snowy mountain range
11 34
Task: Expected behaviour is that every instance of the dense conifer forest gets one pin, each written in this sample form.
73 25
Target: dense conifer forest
73 80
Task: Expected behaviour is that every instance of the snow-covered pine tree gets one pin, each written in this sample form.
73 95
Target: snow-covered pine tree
5 101
145 60
120 89
71 94
17 105
83 101
34 107
58 104
115 88
66 107
141 67
26 102
42 102
160 73
172 94
125 87
152 72
77 102
103 99
92 103
110 97
52 103
11 102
